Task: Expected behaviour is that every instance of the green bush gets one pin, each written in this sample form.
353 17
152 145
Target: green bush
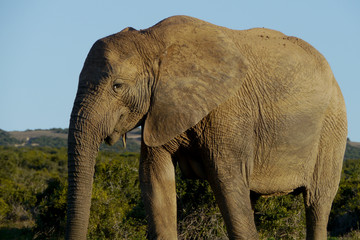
4 209
345 213
115 211
24 175
198 215
51 210
281 217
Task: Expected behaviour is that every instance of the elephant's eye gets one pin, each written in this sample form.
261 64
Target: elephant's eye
117 86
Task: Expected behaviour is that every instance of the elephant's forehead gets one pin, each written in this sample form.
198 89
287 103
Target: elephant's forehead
109 64
123 66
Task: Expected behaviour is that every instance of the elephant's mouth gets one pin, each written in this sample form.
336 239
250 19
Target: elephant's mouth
114 137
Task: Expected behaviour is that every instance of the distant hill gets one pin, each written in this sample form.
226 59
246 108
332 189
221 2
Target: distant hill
352 150
354 144
53 133
57 137
6 139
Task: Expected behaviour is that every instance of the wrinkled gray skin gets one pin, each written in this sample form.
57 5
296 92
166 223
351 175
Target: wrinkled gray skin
250 111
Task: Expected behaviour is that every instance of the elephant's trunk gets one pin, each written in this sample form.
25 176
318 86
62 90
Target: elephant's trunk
83 145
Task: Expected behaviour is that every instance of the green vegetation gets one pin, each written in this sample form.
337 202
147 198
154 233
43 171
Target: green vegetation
281 217
33 190
33 195
345 214
198 214
25 174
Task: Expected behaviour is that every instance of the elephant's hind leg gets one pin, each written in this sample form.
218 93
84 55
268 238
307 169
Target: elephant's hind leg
322 189
317 213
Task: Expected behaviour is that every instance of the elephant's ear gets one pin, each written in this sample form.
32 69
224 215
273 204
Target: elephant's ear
198 72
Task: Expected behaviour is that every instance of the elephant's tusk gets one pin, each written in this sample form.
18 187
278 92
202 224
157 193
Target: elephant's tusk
124 140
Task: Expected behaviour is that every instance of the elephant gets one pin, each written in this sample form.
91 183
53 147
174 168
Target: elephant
253 112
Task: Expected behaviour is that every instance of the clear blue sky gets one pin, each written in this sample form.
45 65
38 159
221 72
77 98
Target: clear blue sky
44 44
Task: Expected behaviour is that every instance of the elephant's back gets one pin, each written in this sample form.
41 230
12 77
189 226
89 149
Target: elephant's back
289 85
284 69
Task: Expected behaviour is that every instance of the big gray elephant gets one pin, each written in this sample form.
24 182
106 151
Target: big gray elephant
251 111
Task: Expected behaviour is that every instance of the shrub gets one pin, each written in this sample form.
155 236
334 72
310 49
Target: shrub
281 217
198 215
116 210
23 175
4 210
51 210
345 213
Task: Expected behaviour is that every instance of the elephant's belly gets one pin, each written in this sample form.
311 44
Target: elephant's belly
288 162
276 185
288 168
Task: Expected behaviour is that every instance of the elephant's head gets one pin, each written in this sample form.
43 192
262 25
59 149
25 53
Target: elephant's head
165 78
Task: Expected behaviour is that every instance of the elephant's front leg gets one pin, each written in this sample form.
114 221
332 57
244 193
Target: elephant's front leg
157 181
